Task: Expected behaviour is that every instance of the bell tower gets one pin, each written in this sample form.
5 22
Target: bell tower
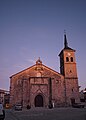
68 61
69 70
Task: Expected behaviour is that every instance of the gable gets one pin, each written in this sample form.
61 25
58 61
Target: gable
52 71
36 70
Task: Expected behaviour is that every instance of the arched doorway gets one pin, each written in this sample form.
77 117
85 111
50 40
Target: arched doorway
39 101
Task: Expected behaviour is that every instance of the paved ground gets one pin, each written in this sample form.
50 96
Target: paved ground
47 114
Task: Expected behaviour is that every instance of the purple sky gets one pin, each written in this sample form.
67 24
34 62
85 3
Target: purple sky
34 28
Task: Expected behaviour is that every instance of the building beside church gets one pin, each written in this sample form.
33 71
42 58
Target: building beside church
40 85
4 96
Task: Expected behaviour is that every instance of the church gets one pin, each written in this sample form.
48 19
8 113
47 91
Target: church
41 86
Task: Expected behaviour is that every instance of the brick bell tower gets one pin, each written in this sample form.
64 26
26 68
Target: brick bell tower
69 70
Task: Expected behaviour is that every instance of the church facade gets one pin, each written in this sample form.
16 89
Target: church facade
40 86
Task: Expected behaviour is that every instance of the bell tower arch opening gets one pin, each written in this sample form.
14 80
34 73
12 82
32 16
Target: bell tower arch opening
38 101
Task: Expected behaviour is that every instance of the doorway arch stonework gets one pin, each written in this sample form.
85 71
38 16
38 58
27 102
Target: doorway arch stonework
38 101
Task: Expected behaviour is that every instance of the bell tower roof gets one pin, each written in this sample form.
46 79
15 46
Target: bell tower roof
65 41
66 47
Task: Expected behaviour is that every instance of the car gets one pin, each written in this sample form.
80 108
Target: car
2 112
78 105
18 107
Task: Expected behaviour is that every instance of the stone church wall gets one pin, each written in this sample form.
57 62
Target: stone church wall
26 85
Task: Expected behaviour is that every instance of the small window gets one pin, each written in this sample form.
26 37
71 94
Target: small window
72 90
18 82
71 59
67 59
39 74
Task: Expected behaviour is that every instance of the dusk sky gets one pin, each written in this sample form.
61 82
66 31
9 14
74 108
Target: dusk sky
35 28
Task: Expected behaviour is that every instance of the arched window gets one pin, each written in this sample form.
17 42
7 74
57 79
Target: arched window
71 59
67 59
